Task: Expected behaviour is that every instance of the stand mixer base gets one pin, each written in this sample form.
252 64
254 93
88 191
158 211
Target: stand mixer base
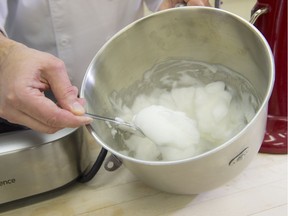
275 140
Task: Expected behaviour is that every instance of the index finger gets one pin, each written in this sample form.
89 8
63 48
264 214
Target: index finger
51 115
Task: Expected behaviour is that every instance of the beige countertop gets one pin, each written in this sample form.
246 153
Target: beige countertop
260 190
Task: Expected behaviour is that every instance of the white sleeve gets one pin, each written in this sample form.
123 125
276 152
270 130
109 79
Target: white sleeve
153 5
3 15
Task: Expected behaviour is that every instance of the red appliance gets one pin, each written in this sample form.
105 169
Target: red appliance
273 25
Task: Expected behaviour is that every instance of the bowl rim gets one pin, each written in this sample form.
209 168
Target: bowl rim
262 107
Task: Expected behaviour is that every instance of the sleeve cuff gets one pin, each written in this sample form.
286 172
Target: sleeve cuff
2 30
153 5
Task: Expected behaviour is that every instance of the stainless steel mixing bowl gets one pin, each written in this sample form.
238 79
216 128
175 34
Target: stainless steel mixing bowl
202 34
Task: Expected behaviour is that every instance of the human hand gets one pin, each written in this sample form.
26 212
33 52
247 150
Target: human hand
172 3
24 76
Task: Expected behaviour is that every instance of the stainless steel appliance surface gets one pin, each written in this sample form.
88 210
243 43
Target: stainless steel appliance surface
32 163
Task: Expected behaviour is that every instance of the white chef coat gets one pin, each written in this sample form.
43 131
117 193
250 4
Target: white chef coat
73 30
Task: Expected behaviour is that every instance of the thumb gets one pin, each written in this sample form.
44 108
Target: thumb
65 94
68 99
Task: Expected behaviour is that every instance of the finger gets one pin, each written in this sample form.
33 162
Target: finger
46 111
54 116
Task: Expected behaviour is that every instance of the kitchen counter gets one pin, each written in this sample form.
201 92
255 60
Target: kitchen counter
260 190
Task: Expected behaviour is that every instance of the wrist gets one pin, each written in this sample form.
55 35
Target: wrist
6 46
